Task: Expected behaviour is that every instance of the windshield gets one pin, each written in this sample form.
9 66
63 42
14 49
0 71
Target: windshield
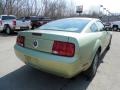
69 24
8 17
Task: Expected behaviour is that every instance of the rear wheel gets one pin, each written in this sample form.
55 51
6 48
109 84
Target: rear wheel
115 28
33 27
8 30
90 73
1 31
108 47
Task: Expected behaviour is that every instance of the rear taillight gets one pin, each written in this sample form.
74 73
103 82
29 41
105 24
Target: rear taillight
41 23
63 48
14 22
20 40
0 22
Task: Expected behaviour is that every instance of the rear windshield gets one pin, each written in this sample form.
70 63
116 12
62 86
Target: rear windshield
24 18
8 17
69 24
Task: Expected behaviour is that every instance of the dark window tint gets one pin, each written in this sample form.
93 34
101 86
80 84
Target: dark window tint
8 17
27 18
94 28
69 24
24 18
20 18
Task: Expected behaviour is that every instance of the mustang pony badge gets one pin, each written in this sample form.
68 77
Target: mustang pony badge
35 43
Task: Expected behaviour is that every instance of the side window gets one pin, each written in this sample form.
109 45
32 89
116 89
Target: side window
94 28
100 26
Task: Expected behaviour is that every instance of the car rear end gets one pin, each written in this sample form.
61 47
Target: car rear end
54 47
51 52
44 20
8 20
107 25
35 22
23 25
38 21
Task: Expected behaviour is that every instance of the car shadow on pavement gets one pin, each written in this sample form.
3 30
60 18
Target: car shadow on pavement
102 56
28 78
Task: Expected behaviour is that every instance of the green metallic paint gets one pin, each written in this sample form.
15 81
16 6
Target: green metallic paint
61 66
86 46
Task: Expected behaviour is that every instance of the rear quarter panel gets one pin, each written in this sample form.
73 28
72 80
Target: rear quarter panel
86 47
8 22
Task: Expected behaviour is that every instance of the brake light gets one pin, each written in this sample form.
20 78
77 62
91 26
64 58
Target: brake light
0 22
63 48
41 23
14 22
20 40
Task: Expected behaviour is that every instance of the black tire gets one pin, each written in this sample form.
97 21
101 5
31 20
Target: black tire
91 71
1 31
8 30
33 27
115 28
108 47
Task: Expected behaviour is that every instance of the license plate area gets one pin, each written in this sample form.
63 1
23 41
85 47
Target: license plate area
27 58
17 27
23 28
31 60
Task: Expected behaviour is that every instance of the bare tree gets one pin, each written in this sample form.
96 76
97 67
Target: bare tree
71 11
1 7
50 8
54 8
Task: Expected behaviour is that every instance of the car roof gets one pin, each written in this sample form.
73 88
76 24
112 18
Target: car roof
83 18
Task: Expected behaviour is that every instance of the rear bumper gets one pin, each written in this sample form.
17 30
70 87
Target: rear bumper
22 28
48 63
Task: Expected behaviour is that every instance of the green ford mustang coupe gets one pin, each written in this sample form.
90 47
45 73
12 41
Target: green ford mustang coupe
64 47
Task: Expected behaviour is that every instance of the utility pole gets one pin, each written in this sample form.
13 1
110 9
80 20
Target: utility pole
99 13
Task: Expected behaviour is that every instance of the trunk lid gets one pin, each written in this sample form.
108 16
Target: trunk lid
42 40
21 23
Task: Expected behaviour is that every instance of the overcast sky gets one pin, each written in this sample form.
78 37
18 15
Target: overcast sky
112 5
